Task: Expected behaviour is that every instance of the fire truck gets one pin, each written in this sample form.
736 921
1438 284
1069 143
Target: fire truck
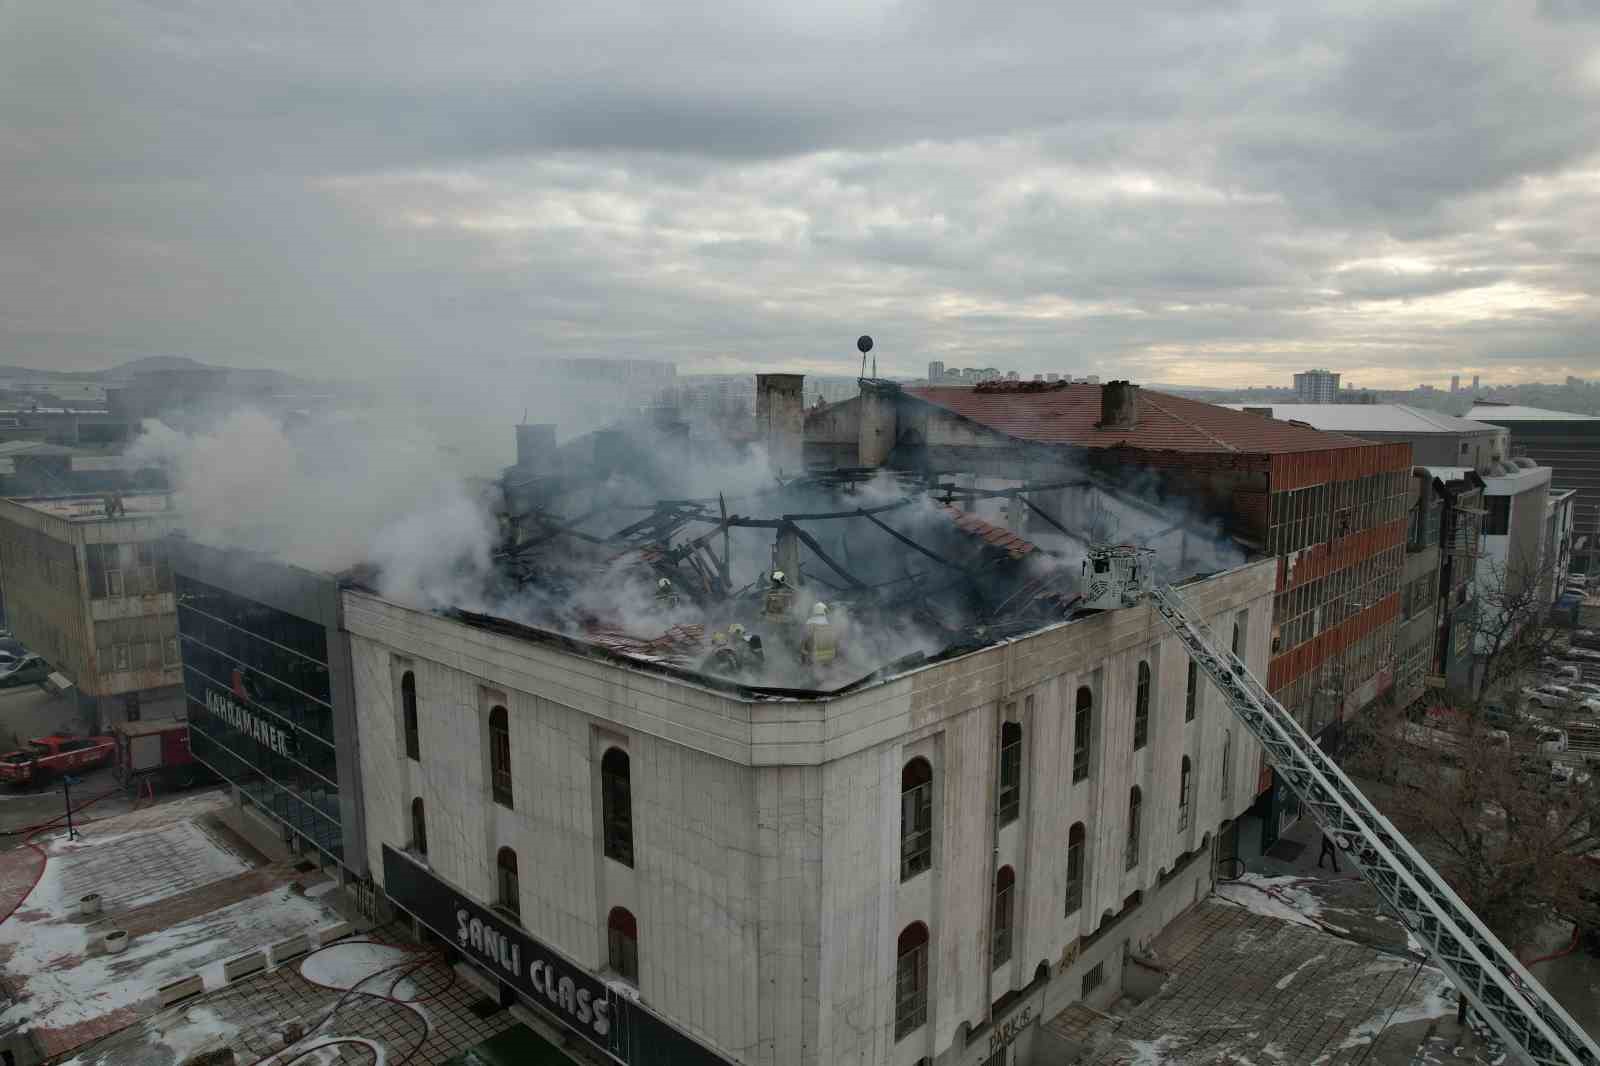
47 758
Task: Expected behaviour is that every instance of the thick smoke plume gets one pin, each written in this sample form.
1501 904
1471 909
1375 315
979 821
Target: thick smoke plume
329 496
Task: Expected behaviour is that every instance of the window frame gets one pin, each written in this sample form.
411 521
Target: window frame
409 722
500 781
419 827
1141 707
911 980
1003 917
1082 733
1130 857
1185 793
1191 696
616 822
1008 795
622 944
508 883
916 818
1077 856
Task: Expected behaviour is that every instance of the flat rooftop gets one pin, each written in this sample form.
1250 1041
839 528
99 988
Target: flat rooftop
101 506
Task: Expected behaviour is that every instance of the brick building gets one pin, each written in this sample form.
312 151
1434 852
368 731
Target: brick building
1330 507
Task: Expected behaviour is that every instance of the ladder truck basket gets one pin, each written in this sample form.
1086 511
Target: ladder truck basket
1519 1010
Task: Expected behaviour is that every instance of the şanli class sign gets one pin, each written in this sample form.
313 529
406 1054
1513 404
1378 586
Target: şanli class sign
522 962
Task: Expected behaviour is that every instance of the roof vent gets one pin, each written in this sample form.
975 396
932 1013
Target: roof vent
1119 405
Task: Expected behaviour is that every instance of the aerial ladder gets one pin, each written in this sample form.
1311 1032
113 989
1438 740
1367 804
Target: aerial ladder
1516 1007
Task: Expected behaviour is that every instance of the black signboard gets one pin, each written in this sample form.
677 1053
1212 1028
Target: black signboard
544 977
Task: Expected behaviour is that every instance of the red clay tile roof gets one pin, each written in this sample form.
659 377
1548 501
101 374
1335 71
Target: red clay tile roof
1067 415
993 535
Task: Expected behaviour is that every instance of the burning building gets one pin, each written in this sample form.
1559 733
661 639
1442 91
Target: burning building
1329 508
911 838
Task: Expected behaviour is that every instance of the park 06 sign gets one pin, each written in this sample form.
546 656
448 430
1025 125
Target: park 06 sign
622 1029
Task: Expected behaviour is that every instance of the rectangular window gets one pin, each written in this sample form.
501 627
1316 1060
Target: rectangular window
169 652
1497 523
1191 693
1009 802
911 991
1000 946
916 830
1141 708
1093 978
1082 736
1075 859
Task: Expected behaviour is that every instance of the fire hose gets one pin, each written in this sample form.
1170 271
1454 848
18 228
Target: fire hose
416 959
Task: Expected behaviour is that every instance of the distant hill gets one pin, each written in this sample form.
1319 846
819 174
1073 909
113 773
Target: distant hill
150 364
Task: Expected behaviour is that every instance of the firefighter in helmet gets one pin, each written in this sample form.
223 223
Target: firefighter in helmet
780 597
723 659
666 595
820 645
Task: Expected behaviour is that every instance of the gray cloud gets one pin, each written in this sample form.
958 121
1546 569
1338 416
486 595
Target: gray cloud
1179 191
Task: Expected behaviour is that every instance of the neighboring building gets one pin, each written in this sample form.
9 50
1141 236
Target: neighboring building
1515 522
72 426
1330 507
266 675
1433 649
1474 384
1455 384
1557 550
1317 386
88 586
1436 439
935 371
918 868
36 468
1570 444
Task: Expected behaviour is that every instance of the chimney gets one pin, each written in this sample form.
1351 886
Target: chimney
1119 405
880 407
535 445
781 420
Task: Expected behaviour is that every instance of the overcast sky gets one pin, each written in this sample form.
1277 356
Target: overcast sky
1192 192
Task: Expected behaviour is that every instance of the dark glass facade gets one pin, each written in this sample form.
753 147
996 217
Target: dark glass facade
261 707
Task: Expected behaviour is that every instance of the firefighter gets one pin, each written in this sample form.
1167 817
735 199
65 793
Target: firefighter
820 644
780 597
723 659
747 646
666 595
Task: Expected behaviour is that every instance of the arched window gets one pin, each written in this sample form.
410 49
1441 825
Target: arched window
419 828
1141 708
1009 802
1191 692
1000 935
1227 763
1082 734
1076 839
911 980
622 944
500 755
616 805
1135 801
916 818
408 703
1185 785
509 888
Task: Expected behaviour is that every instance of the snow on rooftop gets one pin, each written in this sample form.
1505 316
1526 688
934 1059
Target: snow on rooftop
187 901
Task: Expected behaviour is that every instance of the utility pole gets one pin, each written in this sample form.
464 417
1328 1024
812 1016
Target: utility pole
67 781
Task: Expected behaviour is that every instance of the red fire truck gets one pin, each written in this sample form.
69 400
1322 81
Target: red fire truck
156 748
46 758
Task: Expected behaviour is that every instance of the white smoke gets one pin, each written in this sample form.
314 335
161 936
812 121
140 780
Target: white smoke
328 496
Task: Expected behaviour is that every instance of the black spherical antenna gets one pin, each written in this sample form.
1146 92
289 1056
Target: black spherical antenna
864 344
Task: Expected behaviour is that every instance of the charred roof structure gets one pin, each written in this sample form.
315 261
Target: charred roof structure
1117 458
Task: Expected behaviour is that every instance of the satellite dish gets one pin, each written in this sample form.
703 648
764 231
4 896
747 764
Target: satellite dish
864 344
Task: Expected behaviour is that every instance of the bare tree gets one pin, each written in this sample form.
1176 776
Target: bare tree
1510 625
1512 833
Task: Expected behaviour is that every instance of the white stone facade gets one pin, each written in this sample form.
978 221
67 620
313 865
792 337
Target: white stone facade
766 880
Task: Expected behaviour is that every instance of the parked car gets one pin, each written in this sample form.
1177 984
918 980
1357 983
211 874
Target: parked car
46 758
28 670
1549 696
1581 655
1559 670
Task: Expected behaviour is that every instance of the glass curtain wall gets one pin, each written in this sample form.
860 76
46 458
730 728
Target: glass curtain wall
261 707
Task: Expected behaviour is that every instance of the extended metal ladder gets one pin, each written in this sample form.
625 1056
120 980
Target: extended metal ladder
1516 1006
